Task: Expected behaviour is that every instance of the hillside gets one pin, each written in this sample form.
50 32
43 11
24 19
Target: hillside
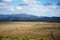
26 17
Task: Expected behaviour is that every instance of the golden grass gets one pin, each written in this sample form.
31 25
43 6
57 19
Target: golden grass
39 29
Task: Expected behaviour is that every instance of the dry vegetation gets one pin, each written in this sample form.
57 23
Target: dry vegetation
48 30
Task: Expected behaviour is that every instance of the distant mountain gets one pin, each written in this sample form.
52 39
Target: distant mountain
4 17
23 17
26 17
18 17
50 19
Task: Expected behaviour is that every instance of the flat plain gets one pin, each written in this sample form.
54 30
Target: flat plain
49 30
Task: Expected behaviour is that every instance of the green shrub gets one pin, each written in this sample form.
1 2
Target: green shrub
41 38
14 37
1 37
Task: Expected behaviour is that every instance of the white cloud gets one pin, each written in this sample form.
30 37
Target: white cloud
6 9
19 8
32 8
1 4
7 0
11 9
53 6
26 1
30 1
53 12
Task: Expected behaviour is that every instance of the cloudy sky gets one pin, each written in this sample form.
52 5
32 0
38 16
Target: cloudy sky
32 7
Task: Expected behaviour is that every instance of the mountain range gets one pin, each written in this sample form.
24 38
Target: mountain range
26 17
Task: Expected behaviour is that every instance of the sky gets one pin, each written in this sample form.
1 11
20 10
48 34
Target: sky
33 7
